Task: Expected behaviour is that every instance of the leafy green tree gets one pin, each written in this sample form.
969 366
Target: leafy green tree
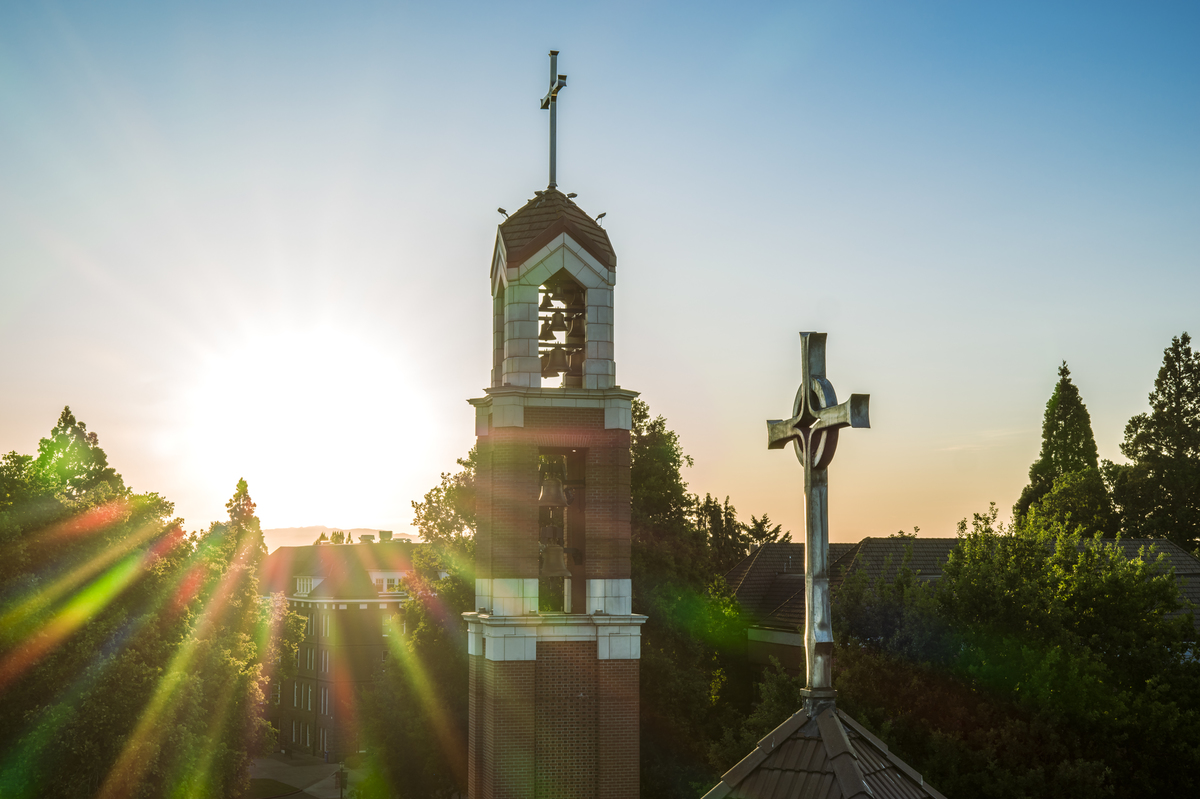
727 539
422 752
760 532
337 537
1158 492
1068 448
446 514
1043 663
128 649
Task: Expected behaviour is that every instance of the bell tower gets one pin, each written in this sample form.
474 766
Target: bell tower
553 645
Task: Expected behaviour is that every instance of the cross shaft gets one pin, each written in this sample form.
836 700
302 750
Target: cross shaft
813 430
557 82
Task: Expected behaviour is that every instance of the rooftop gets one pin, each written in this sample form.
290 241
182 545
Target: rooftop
544 217
827 757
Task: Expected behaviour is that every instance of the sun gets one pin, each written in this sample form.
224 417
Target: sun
320 419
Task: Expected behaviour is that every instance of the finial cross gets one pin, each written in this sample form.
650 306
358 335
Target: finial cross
557 83
813 430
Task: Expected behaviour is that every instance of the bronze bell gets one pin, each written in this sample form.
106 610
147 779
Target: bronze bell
557 321
554 562
575 301
546 334
578 327
557 360
552 494
546 306
546 370
575 363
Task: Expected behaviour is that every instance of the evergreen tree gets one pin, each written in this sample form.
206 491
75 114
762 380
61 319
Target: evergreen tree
760 532
1158 492
1068 448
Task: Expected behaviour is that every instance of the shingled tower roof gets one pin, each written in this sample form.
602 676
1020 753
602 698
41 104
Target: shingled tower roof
828 757
547 215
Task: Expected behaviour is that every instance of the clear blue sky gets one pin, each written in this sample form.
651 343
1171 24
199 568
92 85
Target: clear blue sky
252 239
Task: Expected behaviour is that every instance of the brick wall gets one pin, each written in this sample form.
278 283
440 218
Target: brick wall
565 712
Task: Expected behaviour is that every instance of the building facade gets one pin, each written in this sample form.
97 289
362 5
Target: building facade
350 596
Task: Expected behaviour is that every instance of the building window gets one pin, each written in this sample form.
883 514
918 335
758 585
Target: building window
303 585
295 694
311 659
310 697
308 729
391 583
379 584
293 731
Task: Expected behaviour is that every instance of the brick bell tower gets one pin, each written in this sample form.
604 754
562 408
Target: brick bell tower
554 645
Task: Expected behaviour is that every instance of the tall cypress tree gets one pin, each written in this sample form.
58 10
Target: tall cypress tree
1068 461
1158 492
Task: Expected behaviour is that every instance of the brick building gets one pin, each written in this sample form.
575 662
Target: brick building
350 597
553 646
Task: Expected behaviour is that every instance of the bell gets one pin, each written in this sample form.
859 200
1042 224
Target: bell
557 360
554 562
546 334
578 327
546 306
557 322
552 495
575 301
546 370
575 363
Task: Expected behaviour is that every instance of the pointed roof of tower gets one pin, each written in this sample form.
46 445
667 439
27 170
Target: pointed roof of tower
547 215
828 757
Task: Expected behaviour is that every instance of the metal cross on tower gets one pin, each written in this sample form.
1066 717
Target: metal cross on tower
813 430
557 83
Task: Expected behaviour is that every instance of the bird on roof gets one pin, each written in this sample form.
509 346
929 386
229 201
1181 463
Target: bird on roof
572 196
501 210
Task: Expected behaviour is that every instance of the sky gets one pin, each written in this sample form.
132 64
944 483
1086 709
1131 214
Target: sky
253 239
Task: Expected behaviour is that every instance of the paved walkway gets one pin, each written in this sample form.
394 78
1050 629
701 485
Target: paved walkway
311 774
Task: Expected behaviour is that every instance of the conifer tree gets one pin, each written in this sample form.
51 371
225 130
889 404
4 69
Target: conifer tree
1158 492
1067 469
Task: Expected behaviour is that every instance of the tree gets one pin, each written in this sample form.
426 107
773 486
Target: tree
322 538
128 648
446 514
760 532
727 539
421 752
337 537
1158 491
1043 664
1068 448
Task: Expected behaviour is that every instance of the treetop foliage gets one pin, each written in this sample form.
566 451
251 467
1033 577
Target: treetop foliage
134 647
1068 445
1157 493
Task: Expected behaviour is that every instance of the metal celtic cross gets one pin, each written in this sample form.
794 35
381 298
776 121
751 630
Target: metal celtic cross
813 430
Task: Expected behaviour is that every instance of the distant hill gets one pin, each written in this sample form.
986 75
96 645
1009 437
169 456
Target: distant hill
278 537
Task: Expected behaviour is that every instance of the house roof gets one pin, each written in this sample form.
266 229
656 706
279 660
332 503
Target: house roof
773 574
771 588
344 569
546 216
827 757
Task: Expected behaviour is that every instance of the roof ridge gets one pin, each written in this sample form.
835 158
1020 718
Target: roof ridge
768 744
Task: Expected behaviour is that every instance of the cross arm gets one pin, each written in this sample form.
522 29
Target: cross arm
854 412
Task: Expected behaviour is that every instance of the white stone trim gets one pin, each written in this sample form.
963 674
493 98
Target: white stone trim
613 597
501 638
